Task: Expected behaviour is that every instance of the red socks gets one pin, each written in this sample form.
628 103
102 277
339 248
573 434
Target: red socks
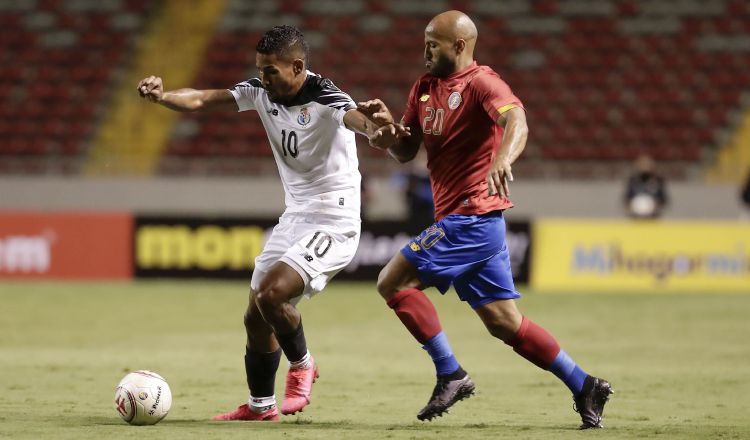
419 316
535 344
417 313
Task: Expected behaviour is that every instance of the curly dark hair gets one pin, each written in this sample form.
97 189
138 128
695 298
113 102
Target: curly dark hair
284 41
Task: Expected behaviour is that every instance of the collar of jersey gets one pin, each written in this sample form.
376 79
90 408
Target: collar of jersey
309 90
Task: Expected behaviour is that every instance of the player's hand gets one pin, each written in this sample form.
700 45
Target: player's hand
387 136
377 111
499 176
151 88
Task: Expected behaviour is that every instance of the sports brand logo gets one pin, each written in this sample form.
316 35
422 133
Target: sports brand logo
454 100
273 112
120 402
304 116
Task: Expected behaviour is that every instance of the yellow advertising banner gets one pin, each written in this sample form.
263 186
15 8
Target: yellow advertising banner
641 256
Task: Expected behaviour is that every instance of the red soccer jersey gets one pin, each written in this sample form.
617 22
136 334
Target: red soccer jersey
457 117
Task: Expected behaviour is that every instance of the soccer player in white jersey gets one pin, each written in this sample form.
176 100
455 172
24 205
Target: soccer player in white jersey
310 124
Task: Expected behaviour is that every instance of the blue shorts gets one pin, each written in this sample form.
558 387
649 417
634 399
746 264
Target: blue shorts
468 252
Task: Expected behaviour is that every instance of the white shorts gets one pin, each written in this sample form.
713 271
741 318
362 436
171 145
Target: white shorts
316 246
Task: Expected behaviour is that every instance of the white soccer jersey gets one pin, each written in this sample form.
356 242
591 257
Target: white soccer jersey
316 154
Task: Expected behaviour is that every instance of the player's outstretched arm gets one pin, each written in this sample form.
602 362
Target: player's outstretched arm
401 147
514 141
361 123
186 100
377 111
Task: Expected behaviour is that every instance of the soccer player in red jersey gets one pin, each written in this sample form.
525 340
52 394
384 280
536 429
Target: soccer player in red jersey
473 128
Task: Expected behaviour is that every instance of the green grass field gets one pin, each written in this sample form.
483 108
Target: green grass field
680 365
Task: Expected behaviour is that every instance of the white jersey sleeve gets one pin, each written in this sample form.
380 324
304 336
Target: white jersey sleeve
335 103
246 92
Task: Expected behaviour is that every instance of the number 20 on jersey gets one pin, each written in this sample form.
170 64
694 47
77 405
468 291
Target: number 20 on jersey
433 121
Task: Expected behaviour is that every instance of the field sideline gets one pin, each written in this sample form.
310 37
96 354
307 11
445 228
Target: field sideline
678 364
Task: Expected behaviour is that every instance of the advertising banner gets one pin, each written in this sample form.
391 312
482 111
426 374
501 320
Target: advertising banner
197 246
40 245
226 247
585 255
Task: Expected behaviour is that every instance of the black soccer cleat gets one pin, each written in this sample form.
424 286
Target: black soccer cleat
446 393
590 403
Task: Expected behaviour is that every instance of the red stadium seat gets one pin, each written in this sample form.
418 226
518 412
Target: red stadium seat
51 94
597 89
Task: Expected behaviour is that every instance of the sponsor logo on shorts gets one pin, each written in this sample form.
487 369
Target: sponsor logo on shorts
415 247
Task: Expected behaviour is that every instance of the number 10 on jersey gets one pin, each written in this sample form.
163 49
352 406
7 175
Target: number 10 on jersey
289 143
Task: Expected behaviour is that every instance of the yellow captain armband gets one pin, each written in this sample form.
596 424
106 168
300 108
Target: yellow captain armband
507 107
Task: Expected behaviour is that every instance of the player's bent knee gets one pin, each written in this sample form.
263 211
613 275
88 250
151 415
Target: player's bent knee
273 294
268 299
385 286
391 282
501 332
501 318
503 327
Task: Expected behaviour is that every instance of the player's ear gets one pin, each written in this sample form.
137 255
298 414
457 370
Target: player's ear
459 46
298 66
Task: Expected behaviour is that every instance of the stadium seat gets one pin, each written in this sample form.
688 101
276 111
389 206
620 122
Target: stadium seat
602 82
59 59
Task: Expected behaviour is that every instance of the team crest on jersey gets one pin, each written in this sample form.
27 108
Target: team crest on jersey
454 100
304 116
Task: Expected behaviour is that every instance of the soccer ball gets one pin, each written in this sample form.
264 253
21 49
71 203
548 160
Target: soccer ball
143 398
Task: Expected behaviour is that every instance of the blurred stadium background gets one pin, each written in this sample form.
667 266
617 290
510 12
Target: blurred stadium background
96 184
603 82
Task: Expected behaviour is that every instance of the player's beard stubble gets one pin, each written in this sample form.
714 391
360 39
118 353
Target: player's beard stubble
442 66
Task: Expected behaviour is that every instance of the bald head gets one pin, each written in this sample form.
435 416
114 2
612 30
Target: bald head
454 25
450 38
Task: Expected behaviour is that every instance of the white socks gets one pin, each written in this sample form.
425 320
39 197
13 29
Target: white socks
261 404
302 363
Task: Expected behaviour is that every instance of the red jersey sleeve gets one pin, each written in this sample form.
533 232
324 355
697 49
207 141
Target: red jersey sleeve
493 93
411 114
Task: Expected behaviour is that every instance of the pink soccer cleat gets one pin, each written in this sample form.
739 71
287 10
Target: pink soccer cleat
243 412
298 387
